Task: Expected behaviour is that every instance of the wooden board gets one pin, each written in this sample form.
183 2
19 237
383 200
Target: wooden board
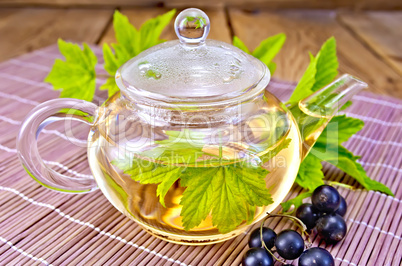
306 31
219 26
365 53
381 31
24 30
356 4
302 4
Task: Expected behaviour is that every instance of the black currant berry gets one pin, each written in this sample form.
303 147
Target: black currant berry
326 199
257 256
289 244
332 228
343 207
268 235
308 214
316 257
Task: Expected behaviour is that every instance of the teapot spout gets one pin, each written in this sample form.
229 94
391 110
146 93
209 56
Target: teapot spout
314 112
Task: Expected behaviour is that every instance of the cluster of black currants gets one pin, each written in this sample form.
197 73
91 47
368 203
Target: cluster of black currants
325 214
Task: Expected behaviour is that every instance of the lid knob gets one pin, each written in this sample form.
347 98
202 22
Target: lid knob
192 26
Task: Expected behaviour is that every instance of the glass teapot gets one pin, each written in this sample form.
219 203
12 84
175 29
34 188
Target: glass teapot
193 147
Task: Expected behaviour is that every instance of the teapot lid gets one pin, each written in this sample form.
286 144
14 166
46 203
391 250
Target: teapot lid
192 70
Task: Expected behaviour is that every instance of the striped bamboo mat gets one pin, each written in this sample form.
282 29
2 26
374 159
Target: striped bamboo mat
39 226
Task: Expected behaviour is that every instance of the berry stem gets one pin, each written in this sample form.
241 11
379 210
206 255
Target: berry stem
103 76
265 246
296 221
333 183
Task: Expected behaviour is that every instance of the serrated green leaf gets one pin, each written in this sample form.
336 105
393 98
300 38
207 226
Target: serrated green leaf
111 62
229 208
111 86
197 198
269 48
266 51
169 179
322 69
131 42
126 36
250 213
145 172
251 184
369 183
345 160
271 154
75 76
272 67
327 65
340 129
303 88
239 44
346 105
148 172
152 29
232 192
310 175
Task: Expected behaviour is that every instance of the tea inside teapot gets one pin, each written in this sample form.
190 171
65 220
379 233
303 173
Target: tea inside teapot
131 158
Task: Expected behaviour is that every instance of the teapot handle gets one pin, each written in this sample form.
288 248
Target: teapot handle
27 146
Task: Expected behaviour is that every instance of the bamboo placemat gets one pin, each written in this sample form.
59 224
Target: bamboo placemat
40 226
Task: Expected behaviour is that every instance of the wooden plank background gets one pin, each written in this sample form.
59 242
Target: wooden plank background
369 42
351 4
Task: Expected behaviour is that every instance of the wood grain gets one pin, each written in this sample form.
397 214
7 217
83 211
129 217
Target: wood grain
379 30
219 26
302 4
368 43
24 30
306 31
356 4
